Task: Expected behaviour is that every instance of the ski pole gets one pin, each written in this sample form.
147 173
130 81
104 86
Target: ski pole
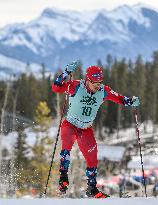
140 150
57 137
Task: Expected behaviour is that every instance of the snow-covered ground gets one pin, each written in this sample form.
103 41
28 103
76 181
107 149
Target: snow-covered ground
111 201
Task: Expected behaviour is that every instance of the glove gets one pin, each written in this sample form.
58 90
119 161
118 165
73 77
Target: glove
72 66
135 101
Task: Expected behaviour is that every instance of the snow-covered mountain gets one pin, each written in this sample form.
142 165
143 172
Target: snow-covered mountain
57 37
8 65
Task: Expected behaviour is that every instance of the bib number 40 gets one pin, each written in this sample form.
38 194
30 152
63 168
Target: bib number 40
86 111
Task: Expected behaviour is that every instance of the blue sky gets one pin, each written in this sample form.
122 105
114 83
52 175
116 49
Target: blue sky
12 11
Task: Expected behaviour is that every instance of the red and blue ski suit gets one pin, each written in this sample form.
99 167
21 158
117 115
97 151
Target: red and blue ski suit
84 137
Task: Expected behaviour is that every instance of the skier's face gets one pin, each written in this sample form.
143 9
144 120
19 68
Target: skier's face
94 86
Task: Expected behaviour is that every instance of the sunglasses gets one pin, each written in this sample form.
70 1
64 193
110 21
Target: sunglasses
96 83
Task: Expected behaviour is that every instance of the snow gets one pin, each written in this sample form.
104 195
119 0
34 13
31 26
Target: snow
37 34
73 25
20 39
9 140
84 16
57 29
12 66
112 153
149 162
31 135
145 5
9 29
123 135
62 27
62 24
126 13
11 63
109 201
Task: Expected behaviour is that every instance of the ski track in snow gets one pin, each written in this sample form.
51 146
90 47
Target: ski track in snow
109 201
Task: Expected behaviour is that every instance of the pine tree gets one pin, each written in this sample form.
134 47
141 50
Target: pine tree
154 90
51 97
21 149
149 88
122 79
130 90
29 95
109 61
21 162
42 117
44 84
111 119
102 112
60 98
41 150
140 83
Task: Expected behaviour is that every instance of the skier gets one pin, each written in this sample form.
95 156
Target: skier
85 98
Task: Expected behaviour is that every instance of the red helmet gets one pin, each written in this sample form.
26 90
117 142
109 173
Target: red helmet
94 73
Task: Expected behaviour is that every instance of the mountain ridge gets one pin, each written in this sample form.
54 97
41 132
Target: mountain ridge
57 37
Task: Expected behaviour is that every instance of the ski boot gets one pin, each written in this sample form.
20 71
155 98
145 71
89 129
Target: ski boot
64 165
63 183
93 191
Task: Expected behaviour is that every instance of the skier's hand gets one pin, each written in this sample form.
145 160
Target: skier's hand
72 66
135 101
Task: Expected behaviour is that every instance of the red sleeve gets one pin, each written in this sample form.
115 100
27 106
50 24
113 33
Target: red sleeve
69 87
112 95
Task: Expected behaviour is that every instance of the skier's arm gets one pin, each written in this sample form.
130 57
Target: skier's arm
68 87
109 94
120 99
60 86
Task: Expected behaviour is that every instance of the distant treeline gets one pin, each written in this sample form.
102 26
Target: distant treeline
128 78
